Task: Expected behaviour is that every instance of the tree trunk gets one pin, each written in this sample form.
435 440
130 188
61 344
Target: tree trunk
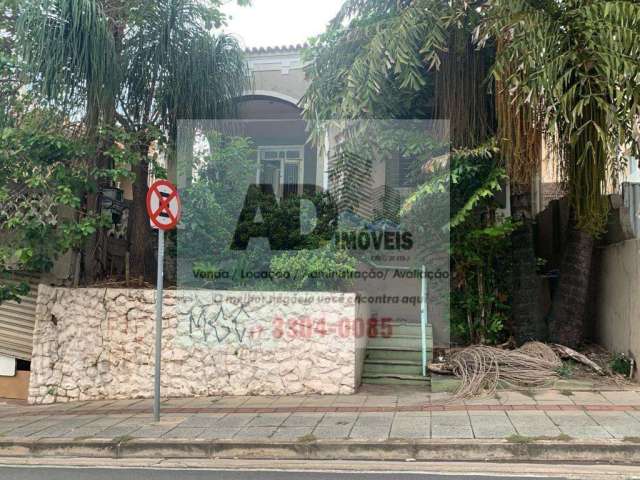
528 319
140 233
570 302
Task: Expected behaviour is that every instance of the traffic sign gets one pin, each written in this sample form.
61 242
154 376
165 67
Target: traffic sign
163 205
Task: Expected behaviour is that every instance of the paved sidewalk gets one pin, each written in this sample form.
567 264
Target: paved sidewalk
373 415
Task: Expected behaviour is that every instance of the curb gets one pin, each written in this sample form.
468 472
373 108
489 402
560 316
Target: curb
397 450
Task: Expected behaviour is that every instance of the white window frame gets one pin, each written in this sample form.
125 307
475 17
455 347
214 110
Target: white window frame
283 163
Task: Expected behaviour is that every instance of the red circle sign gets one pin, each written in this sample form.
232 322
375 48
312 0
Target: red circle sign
163 205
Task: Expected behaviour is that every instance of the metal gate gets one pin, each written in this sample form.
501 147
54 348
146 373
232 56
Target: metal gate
17 321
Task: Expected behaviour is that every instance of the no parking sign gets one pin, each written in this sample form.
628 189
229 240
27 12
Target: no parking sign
163 207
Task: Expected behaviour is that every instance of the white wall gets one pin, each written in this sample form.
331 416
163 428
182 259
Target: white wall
92 344
618 301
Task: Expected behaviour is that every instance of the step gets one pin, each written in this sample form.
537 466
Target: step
378 379
392 367
403 342
385 354
405 328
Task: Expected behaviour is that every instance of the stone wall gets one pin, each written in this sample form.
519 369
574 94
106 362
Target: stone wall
99 344
617 301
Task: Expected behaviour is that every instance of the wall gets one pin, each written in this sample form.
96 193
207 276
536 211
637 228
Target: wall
618 302
99 344
278 70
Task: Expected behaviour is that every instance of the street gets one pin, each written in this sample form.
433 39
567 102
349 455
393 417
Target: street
53 473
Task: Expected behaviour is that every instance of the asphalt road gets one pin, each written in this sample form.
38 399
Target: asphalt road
42 473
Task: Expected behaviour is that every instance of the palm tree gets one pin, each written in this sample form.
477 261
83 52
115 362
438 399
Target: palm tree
142 65
569 69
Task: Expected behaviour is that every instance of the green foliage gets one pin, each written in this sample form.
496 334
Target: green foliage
44 173
213 201
480 248
155 60
139 66
373 60
323 269
621 364
480 240
69 52
575 64
212 206
567 369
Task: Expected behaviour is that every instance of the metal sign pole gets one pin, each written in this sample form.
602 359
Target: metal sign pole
159 288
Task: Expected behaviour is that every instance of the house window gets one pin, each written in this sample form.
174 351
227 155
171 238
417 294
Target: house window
282 168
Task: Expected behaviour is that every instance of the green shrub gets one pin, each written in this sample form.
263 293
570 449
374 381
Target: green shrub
324 269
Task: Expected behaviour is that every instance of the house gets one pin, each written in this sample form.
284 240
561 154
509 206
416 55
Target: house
287 161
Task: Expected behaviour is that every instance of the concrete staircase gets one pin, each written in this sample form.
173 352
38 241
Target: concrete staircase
397 360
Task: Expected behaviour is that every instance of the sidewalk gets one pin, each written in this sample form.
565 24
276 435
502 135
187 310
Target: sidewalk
403 424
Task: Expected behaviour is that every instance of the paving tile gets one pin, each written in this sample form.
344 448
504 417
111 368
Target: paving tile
451 431
201 420
288 402
32 429
235 420
349 402
515 398
441 397
203 402
496 414
81 420
259 402
229 402
377 432
381 401
425 415
24 422
533 424
492 426
410 427
55 431
574 419
186 433
376 417
218 433
319 401
303 420
152 432
450 419
483 401
83 432
321 432
291 433
625 397
585 431
589 398
618 424
117 431
171 403
338 420
255 433
552 397
108 421
269 420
